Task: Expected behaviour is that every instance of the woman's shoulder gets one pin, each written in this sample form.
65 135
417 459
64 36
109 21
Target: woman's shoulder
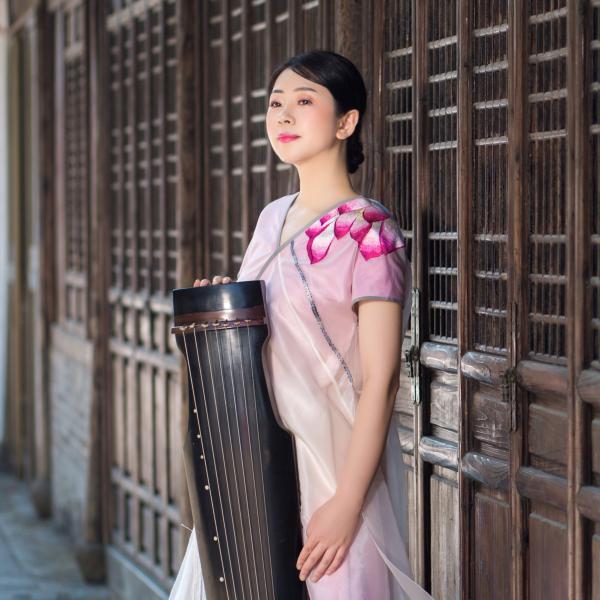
273 208
268 214
278 203
377 204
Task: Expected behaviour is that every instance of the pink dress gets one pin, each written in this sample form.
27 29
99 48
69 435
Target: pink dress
353 251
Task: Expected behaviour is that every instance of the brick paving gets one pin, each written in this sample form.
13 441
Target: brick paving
36 559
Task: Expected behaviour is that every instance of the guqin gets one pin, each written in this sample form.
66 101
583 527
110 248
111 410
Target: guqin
239 462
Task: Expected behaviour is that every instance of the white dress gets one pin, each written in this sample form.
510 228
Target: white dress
189 584
353 251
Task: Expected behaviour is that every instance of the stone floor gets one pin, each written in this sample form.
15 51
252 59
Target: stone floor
36 560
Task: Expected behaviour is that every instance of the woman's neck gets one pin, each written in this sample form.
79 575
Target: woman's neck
324 181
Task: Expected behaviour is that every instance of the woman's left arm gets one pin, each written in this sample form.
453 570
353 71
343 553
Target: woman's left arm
331 529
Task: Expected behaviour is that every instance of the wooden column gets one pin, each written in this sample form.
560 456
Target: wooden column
189 204
420 166
465 268
45 312
578 228
517 274
90 552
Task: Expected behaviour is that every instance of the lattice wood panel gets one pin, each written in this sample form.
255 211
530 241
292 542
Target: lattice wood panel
398 183
398 54
243 42
488 414
442 139
146 455
489 196
464 49
442 268
547 80
74 208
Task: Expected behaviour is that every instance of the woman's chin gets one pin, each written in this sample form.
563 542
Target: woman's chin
290 158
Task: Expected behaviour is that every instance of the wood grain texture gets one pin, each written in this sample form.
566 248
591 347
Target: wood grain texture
486 368
491 546
588 502
588 386
438 452
490 420
441 357
547 558
542 378
492 472
444 538
538 485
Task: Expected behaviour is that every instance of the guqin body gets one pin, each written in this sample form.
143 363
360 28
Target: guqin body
240 464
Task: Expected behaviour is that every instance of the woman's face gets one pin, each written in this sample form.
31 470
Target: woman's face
301 119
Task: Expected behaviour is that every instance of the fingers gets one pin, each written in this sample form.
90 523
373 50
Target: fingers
306 550
323 565
313 558
216 280
338 559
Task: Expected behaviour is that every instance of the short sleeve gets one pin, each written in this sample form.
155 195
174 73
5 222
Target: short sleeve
381 268
254 241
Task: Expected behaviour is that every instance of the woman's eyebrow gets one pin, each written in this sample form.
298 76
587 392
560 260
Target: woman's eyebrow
306 89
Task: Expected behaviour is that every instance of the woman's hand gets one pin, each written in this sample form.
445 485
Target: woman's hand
329 534
216 280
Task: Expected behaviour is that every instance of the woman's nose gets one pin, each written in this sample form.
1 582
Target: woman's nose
284 117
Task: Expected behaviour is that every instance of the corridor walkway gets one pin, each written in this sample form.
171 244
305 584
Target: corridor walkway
36 560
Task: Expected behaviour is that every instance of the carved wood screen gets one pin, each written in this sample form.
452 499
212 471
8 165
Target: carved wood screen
73 201
488 175
241 44
146 472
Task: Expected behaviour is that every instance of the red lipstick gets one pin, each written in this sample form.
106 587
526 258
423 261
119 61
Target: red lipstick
287 137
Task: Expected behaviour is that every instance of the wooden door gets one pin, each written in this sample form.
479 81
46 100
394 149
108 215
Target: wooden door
146 469
490 150
242 42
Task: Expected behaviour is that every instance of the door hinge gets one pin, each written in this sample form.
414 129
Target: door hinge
412 355
509 395
412 361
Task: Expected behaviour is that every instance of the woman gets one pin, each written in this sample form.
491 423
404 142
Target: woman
338 293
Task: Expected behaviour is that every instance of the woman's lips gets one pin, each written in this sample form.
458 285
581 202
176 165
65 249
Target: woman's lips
287 138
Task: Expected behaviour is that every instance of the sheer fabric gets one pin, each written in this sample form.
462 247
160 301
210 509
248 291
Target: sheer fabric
353 251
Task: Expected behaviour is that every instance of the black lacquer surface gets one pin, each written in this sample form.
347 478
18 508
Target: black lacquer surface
240 464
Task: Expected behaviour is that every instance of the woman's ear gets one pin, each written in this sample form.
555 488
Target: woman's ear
347 124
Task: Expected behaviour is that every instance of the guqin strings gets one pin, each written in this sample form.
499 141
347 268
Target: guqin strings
239 462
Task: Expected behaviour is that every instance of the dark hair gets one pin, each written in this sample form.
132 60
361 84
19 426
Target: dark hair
341 77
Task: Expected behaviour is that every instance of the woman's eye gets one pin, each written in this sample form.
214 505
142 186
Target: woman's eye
274 102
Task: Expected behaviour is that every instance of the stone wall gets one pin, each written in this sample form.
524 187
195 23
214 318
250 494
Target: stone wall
71 395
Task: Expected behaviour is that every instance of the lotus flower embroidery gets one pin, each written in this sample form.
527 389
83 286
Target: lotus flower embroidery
369 225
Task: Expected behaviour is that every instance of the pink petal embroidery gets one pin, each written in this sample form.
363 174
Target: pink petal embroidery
315 229
369 225
360 228
318 246
354 204
343 224
374 213
390 236
370 246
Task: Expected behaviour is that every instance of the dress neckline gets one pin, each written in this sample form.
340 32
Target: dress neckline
306 225
279 246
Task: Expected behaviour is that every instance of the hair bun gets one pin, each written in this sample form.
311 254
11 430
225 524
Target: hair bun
354 152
